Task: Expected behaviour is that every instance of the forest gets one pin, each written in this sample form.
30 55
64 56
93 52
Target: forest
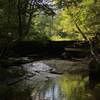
45 45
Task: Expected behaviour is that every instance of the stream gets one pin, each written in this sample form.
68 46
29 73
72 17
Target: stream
49 80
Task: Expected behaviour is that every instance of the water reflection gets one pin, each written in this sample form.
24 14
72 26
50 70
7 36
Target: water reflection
66 87
51 93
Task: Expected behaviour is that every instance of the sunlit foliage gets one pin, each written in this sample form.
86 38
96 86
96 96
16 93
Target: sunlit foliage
73 18
49 19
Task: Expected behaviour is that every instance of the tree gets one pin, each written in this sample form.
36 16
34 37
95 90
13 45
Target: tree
80 11
94 22
16 17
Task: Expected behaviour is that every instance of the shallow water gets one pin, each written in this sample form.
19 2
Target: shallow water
44 85
66 87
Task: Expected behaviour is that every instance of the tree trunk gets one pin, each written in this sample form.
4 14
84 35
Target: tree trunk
20 31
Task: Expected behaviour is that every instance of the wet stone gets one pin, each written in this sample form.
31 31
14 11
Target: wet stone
38 67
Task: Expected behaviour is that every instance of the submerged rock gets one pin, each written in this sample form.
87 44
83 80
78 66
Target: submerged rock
39 66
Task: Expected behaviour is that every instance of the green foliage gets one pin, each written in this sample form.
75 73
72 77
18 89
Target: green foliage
94 20
39 18
29 19
16 20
